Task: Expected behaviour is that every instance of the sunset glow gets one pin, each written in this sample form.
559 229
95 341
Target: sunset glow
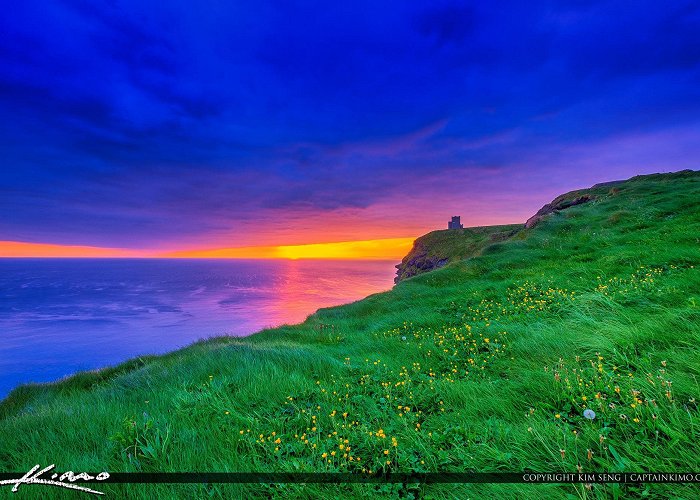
394 248
390 249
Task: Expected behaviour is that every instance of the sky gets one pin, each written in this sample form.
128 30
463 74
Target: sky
181 128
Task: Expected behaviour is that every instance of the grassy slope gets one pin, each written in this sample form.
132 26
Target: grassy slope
439 248
599 298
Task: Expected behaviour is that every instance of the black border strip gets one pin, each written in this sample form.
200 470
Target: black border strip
315 477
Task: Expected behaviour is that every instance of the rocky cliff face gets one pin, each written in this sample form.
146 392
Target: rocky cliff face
560 203
418 261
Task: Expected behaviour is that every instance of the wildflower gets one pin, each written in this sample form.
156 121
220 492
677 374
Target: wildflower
557 416
589 414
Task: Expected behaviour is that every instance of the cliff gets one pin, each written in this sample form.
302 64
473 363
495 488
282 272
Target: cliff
438 248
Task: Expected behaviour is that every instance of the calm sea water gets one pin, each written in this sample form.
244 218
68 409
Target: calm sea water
59 316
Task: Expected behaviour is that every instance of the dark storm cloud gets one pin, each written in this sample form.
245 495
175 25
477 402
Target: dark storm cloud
132 123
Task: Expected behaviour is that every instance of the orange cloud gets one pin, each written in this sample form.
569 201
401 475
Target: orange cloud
22 249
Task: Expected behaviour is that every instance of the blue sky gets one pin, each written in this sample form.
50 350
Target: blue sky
141 124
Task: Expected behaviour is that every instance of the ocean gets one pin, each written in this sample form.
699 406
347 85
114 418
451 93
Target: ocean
60 316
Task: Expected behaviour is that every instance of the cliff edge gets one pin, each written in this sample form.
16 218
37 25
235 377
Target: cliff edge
439 248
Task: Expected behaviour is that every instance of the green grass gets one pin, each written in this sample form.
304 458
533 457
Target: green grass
486 364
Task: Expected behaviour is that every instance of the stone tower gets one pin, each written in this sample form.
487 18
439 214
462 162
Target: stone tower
454 223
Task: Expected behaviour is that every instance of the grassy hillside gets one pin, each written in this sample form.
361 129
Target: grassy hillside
439 248
486 364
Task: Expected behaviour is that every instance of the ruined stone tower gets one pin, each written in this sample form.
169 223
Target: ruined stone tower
454 223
